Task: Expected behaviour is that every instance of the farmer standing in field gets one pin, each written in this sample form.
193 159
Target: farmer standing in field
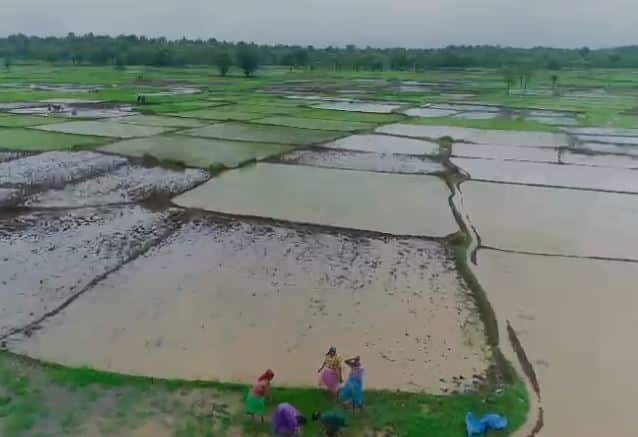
330 374
352 391
255 403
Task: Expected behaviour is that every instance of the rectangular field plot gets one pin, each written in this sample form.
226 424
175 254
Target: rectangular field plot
490 137
505 153
381 108
393 204
545 174
310 123
552 220
616 161
221 114
108 128
363 117
265 134
218 296
575 319
34 140
23 120
351 160
197 152
162 121
385 144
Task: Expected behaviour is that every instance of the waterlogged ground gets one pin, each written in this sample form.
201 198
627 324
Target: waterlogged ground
120 263
222 292
388 203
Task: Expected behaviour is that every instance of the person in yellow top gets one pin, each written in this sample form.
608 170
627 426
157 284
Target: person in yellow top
330 372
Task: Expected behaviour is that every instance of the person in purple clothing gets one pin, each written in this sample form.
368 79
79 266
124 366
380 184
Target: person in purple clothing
287 421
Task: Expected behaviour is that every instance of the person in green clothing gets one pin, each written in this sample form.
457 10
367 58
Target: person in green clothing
255 402
333 421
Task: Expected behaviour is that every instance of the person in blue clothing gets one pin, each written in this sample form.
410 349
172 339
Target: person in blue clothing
352 391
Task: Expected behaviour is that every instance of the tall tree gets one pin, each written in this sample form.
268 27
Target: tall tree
223 61
247 59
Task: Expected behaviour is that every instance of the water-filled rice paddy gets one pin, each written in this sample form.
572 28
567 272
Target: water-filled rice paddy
392 204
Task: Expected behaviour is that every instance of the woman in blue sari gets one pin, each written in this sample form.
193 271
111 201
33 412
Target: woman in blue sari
352 391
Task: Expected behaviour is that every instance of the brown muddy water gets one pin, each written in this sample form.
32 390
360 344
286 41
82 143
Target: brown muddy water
554 175
124 185
385 144
575 319
46 257
389 203
553 220
221 300
376 162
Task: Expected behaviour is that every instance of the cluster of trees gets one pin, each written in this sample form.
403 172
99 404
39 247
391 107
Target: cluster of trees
138 50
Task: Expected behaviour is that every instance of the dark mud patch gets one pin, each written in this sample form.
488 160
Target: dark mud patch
49 257
126 184
55 169
10 156
524 361
353 160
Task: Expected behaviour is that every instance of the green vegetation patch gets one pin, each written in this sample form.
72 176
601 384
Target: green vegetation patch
177 106
221 114
160 121
197 152
266 134
33 140
41 398
10 120
106 128
313 123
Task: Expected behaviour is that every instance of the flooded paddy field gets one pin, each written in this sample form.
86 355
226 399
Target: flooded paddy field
49 257
551 175
600 160
309 123
385 144
127 184
220 114
575 320
109 128
265 134
511 153
55 169
367 161
221 291
162 121
553 221
387 203
381 108
196 152
479 136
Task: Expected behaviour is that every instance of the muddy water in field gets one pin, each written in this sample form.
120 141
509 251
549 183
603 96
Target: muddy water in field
428 112
219 300
377 162
8 156
613 149
633 141
576 320
385 144
479 136
592 132
105 129
505 153
389 203
553 220
126 184
8 196
382 108
47 257
616 161
56 168
532 173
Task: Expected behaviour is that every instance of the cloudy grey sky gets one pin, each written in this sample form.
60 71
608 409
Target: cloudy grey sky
382 23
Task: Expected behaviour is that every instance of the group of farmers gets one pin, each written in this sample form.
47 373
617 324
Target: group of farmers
288 421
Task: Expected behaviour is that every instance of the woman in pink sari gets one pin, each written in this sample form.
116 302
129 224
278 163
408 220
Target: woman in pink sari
330 375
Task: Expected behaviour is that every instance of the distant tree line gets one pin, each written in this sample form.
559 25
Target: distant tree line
138 50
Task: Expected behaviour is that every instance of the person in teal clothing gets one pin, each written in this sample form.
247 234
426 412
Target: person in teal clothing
352 391
333 421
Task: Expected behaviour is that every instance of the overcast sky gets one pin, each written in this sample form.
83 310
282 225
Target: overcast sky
381 23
